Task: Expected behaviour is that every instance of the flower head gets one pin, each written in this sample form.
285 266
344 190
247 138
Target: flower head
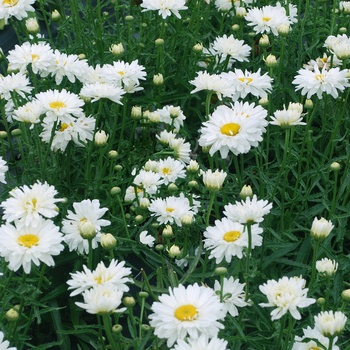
203 342
326 266
4 344
186 311
286 295
213 180
164 7
146 239
3 170
288 117
321 228
330 323
15 8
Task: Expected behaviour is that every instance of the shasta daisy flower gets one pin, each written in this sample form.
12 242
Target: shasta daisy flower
20 246
186 311
146 239
28 113
86 211
228 131
172 116
203 342
99 90
326 266
102 299
330 323
213 180
148 181
321 228
115 275
244 83
164 7
248 211
15 8
227 239
312 339
181 149
14 83
231 47
26 204
286 295
317 82
233 295
288 117
170 170
171 209
3 170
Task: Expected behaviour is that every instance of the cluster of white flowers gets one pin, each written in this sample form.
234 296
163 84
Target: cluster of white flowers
29 235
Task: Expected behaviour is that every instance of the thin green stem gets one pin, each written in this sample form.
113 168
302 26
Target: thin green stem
108 329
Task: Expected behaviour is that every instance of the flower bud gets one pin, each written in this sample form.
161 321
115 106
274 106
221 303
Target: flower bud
3 134
241 12
192 167
221 271
342 30
144 203
32 25
335 166
115 190
82 56
321 228
263 102
143 295
118 167
345 294
16 132
129 301
159 42
246 191
308 104
193 184
129 18
108 241
113 154
12 315
174 251
117 49
159 247
138 218
172 187
87 229
235 28
158 79
136 112
117 328
271 61
55 15
198 47
100 138
264 41
283 29
168 232
187 220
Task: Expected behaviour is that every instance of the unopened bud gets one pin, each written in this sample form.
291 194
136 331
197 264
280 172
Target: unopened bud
271 61
55 15
158 79
335 166
117 49
198 47
32 25
308 104
136 112
159 42
283 29
174 251
345 294
172 187
87 229
113 154
115 190
235 28
263 102
100 138
187 220
129 301
168 232
143 295
16 132
264 41
129 18
246 191
138 218
117 328
12 315
221 271
108 241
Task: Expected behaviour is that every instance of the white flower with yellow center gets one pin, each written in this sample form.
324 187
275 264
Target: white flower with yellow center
62 105
98 90
203 342
3 170
229 46
15 8
85 211
164 7
330 323
26 205
268 18
244 83
148 181
171 169
102 299
228 239
317 82
249 210
22 246
115 275
312 339
186 311
228 131
286 295
171 209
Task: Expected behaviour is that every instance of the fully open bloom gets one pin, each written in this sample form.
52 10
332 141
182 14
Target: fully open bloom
230 130
164 7
286 295
186 311
288 117
20 246
201 343
317 82
326 266
227 239
15 8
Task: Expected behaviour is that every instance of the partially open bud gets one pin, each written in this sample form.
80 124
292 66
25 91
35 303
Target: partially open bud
108 241
87 229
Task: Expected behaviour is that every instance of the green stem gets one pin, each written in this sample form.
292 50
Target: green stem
313 263
108 329
210 206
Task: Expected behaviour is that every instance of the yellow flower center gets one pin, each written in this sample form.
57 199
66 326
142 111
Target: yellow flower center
319 77
121 73
98 279
246 80
57 104
166 171
231 236
34 57
28 240
63 127
10 3
315 348
266 19
186 313
169 210
230 129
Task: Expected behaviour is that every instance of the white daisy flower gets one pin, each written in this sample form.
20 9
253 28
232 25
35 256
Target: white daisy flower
15 8
26 204
132 193
148 181
171 169
330 323
344 6
102 299
29 113
99 90
306 343
172 115
324 61
267 19
326 266
213 180
288 117
286 295
342 49
164 7
230 131
227 239
85 211
171 209
64 65
233 295
203 342
4 344
212 82
317 82
244 83
115 275
248 210
39 56
60 105
15 82
181 149
147 239
3 169
20 246
321 228
183 312
231 47
165 137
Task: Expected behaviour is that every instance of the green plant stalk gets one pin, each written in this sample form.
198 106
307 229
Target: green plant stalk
280 334
141 316
330 345
207 103
334 195
108 330
212 197
316 247
90 254
123 216
248 226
